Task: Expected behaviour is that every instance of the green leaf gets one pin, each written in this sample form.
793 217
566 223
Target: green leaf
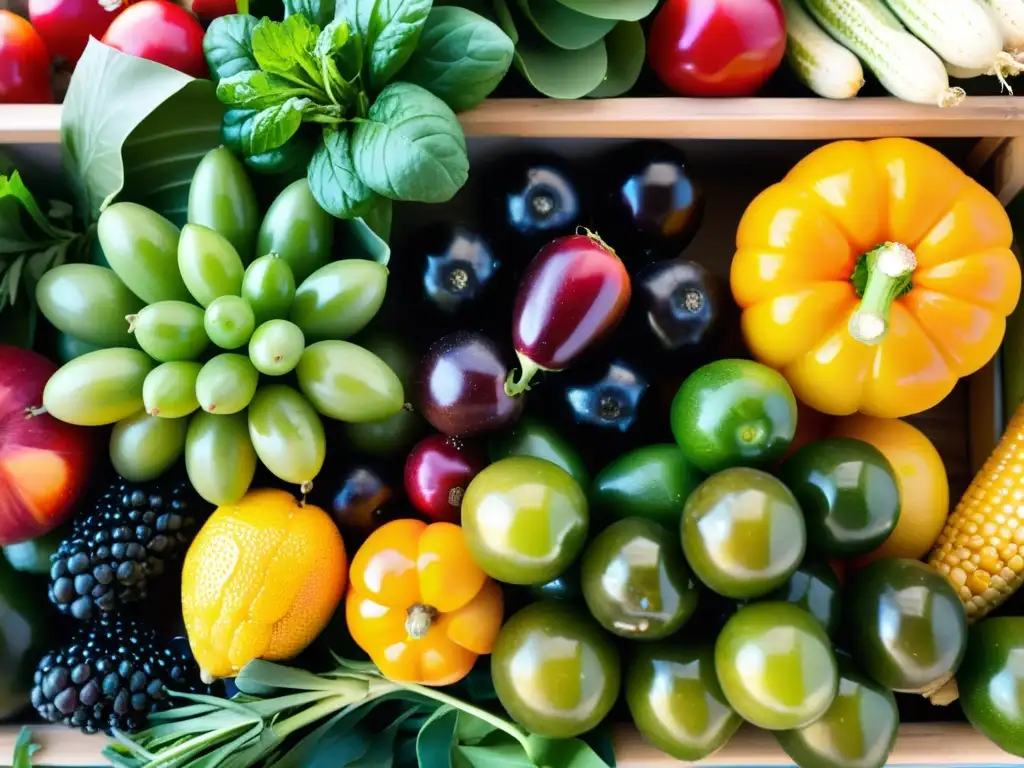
382 748
287 48
333 38
273 126
558 73
620 10
133 125
255 89
13 186
261 678
565 753
24 748
507 753
411 147
319 12
461 57
333 180
436 738
627 50
505 20
228 45
563 26
379 220
471 730
362 241
14 236
391 30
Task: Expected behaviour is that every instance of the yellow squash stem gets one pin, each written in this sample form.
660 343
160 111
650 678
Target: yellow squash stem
881 276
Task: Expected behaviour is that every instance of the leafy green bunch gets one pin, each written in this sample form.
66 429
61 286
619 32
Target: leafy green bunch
362 95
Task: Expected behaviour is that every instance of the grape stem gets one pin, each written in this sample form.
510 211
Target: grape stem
35 410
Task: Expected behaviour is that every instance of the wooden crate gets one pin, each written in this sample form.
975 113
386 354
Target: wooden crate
985 135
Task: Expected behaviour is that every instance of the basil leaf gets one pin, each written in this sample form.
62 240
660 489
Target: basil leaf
319 12
411 147
391 30
333 38
333 180
228 45
273 126
255 89
461 57
287 48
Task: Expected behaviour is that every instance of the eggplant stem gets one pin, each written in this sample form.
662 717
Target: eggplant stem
530 369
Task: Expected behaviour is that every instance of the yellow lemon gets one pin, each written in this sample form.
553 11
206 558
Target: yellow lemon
261 581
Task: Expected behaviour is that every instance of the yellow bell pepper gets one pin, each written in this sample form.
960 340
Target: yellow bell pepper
874 276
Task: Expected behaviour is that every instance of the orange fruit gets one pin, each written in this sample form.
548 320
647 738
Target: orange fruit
261 580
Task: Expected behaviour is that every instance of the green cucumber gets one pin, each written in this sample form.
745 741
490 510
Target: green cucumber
962 32
822 64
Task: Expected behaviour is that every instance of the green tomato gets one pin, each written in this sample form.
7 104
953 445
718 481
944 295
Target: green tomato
89 302
219 457
676 702
229 322
170 330
636 582
339 299
652 482
222 198
276 346
142 248
209 264
68 347
530 437
143 447
858 730
226 384
525 520
349 383
848 492
98 388
298 230
991 681
776 666
732 413
555 672
906 625
287 434
743 533
269 287
814 587
169 390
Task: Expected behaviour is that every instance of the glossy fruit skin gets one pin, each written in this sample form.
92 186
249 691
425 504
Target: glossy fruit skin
226 384
857 731
505 506
229 322
25 70
66 25
848 493
169 390
989 681
726 516
339 299
437 472
143 447
170 330
45 464
652 482
98 388
405 567
907 628
676 702
733 413
269 287
535 197
161 32
298 230
222 198
531 437
357 504
276 347
287 434
776 666
457 268
636 582
209 264
682 304
555 671
141 246
460 386
349 383
814 587
566 587
219 456
717 47
88 301
610 398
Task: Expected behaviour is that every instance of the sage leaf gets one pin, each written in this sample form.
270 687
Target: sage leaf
333 180
627 50
273 126
411 147
461 57
227 45
319 12
390 30
563 26
620 10
255 89
287 48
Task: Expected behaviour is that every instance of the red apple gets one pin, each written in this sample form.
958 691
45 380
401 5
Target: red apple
44 463
437 472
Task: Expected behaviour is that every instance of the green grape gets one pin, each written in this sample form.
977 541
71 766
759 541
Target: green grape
287 434
269 287
89 302
170 330
349 383
297 229
276 346
221 197
340 299
143 447
209 264
226 384
169 390
98 388
219 457
141 246
229 322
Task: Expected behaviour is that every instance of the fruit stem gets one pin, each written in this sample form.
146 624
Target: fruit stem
597 239
482 714
38 410
419 619
890 268
132 319
529 370
318 711
305 489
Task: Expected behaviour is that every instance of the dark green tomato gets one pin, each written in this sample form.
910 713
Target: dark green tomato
531 437
676 702
652 482
636 581
743 533
555 671
848 492
907 628
815 588
566 587
991 681
776 666
733 413
857 731
525 520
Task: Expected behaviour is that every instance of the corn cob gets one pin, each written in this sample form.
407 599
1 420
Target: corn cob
981 549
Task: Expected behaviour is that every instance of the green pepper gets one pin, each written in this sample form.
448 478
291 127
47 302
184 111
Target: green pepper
24 629
815 588
531 437
847 490
991 681
652 482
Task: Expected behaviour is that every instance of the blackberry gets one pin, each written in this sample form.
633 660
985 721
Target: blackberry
122 540
112 675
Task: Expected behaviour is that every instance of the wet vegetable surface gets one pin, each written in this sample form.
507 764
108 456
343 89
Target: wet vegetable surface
652 482
814 587
991 681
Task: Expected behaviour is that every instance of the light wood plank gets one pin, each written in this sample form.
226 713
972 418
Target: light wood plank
30 124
